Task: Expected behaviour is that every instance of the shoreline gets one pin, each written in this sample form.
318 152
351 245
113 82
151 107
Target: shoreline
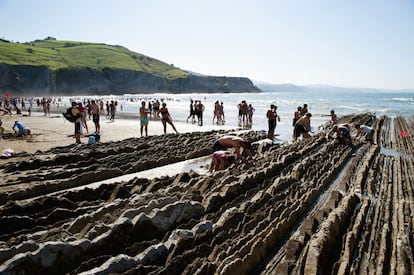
53 131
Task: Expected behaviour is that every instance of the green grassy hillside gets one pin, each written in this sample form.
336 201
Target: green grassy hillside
58 54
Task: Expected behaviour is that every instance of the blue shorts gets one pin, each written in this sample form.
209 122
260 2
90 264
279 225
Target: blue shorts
144 121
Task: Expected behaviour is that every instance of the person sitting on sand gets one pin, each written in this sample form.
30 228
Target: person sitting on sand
366 131
236 142
302 126
166 118
220 160
22 129
342 132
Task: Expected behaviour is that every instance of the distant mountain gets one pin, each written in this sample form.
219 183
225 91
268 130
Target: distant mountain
52 66
292 88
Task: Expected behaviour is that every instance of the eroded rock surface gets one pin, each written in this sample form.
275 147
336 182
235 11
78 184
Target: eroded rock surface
312 207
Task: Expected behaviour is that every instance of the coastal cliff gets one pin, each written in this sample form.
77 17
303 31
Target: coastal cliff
26 79
60 67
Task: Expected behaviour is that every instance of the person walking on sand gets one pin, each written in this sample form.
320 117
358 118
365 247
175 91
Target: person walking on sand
217 113
302 126
222 113
234 142
94 108
166 118
192 112
199 109
112 108
143 113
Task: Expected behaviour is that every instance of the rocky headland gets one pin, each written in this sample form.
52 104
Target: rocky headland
310 207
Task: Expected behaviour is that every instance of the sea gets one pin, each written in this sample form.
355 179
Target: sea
320 103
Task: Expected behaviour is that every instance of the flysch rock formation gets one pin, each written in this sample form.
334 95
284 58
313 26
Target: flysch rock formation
310 207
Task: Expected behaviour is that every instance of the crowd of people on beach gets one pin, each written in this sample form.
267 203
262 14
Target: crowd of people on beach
93 109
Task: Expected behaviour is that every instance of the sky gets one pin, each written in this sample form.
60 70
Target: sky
347 43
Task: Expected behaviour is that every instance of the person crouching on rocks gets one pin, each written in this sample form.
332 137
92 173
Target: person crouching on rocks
365 131
302 126
221 159
234 142
342 132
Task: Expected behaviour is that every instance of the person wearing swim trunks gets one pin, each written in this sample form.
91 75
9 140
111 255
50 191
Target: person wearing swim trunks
302 126
143 113
342 132
94 108
235 142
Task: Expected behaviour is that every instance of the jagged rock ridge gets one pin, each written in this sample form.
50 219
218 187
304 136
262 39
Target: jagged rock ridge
312 207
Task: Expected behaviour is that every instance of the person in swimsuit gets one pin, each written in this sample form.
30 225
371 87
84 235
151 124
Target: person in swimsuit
234 142
342 132
94 108
143 113
220 160
302 126
166 118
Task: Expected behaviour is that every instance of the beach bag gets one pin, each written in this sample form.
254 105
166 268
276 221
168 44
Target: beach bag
91 140
69 116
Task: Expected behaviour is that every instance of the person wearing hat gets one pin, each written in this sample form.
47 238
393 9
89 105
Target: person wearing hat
235 142
302 126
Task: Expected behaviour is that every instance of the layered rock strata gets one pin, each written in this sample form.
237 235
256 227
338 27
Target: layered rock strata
310 207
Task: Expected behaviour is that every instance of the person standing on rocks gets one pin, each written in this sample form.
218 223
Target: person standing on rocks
166 118
143 113
235 142
302 126
271 120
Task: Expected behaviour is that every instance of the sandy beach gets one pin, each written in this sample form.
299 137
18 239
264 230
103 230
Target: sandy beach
307 207
52 131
